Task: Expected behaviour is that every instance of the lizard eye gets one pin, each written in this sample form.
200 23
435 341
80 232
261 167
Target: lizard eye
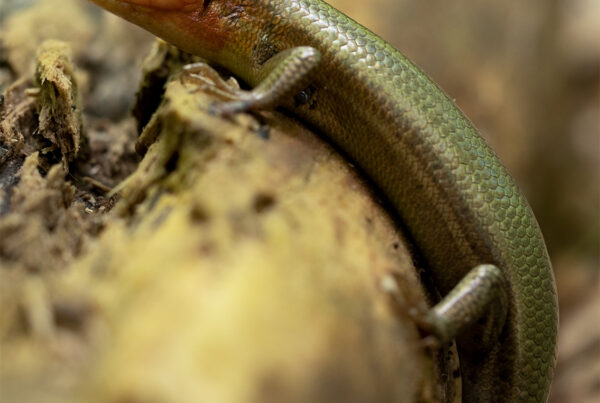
163 4
206 4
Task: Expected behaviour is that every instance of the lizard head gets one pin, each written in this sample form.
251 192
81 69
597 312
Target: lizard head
217 30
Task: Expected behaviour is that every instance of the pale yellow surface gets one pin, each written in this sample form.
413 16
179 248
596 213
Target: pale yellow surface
208 297
236 267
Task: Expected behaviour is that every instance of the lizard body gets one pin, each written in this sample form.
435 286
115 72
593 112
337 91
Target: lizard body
476 231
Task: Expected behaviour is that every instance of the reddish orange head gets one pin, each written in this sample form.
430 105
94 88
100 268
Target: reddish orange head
221 31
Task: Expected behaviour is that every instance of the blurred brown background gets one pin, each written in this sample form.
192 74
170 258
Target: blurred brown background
528 75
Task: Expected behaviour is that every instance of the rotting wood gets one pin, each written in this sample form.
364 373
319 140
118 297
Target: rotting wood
242 262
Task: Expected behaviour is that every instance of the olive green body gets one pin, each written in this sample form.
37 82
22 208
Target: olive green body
457 200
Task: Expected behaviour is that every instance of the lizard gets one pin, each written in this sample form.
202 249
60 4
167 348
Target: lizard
478 235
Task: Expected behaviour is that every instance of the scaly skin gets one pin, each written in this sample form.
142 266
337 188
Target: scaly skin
457 200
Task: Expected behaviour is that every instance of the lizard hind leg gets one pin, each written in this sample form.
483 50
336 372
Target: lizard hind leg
474 311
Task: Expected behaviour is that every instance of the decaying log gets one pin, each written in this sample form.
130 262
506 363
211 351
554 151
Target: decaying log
241 261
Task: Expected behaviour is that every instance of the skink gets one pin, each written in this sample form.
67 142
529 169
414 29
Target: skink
478 235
